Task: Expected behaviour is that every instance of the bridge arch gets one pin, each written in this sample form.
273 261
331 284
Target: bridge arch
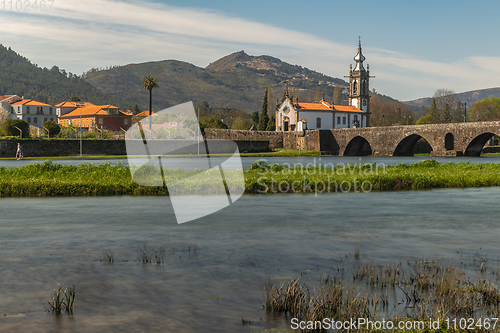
476 145
449 141
405 147
358 146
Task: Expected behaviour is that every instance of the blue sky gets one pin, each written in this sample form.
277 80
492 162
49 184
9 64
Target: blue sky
413 48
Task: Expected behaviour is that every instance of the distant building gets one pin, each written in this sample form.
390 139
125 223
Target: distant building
142 115
323 115
33 112
6 101
68 106
104 117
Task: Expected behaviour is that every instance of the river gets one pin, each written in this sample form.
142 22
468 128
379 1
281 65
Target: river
215 268
193 162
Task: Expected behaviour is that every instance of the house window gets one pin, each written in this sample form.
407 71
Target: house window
343 120
18 109
27 109
355 117
35 120
44 120
338 120
125 121
50 110
41 109
11 109
318 122
100 121
28 120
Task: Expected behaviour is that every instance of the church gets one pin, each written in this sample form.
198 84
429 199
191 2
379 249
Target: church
295 116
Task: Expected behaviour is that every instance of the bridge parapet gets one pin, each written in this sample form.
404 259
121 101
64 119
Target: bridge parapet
454 139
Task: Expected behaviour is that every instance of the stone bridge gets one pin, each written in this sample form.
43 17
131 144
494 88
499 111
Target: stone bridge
457 139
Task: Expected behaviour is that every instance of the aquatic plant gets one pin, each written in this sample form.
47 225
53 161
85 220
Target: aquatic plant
430 289
152 255
63 299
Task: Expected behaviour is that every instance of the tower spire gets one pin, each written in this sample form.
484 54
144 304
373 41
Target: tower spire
359 58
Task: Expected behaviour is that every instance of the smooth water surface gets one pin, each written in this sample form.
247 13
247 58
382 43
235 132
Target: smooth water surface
215 268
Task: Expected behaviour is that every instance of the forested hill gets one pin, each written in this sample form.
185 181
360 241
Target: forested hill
18 76
237 80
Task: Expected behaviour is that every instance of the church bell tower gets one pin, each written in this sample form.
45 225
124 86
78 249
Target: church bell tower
359 92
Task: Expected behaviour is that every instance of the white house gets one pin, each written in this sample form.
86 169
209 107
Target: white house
33 112
7 100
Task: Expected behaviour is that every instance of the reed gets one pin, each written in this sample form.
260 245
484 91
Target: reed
152 255
429 289
63 300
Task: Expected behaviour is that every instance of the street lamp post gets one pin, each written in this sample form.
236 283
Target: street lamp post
48 133
465 112
20 131
198 118
79 105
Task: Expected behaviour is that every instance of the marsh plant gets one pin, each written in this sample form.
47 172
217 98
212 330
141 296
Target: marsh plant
63 300
152 255
107 256
426 289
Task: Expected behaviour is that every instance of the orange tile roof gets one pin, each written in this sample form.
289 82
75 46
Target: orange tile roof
324 105
30 102
144 114
346 108
6 97
91 111
68 104
312 106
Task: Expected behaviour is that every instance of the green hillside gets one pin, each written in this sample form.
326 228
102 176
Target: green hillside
237 80
18 76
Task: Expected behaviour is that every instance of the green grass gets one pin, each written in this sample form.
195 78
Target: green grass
52 179
427 174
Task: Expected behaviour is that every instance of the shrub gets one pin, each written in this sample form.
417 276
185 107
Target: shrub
53 127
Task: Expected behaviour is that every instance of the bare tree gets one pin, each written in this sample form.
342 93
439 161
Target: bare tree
443 98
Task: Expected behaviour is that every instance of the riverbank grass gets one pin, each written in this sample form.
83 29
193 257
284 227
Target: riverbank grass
52 179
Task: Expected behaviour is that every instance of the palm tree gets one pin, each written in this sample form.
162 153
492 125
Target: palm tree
150 83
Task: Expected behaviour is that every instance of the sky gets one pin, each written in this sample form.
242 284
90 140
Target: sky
413 48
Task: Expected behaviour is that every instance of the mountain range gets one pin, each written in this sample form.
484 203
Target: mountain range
469 97
237 80
18 76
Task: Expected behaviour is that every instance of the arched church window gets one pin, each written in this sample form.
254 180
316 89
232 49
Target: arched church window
354 87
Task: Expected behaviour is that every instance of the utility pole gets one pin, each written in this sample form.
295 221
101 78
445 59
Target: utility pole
79 105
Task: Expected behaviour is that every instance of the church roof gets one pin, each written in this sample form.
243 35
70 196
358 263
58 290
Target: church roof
347 108
313 106
324 105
